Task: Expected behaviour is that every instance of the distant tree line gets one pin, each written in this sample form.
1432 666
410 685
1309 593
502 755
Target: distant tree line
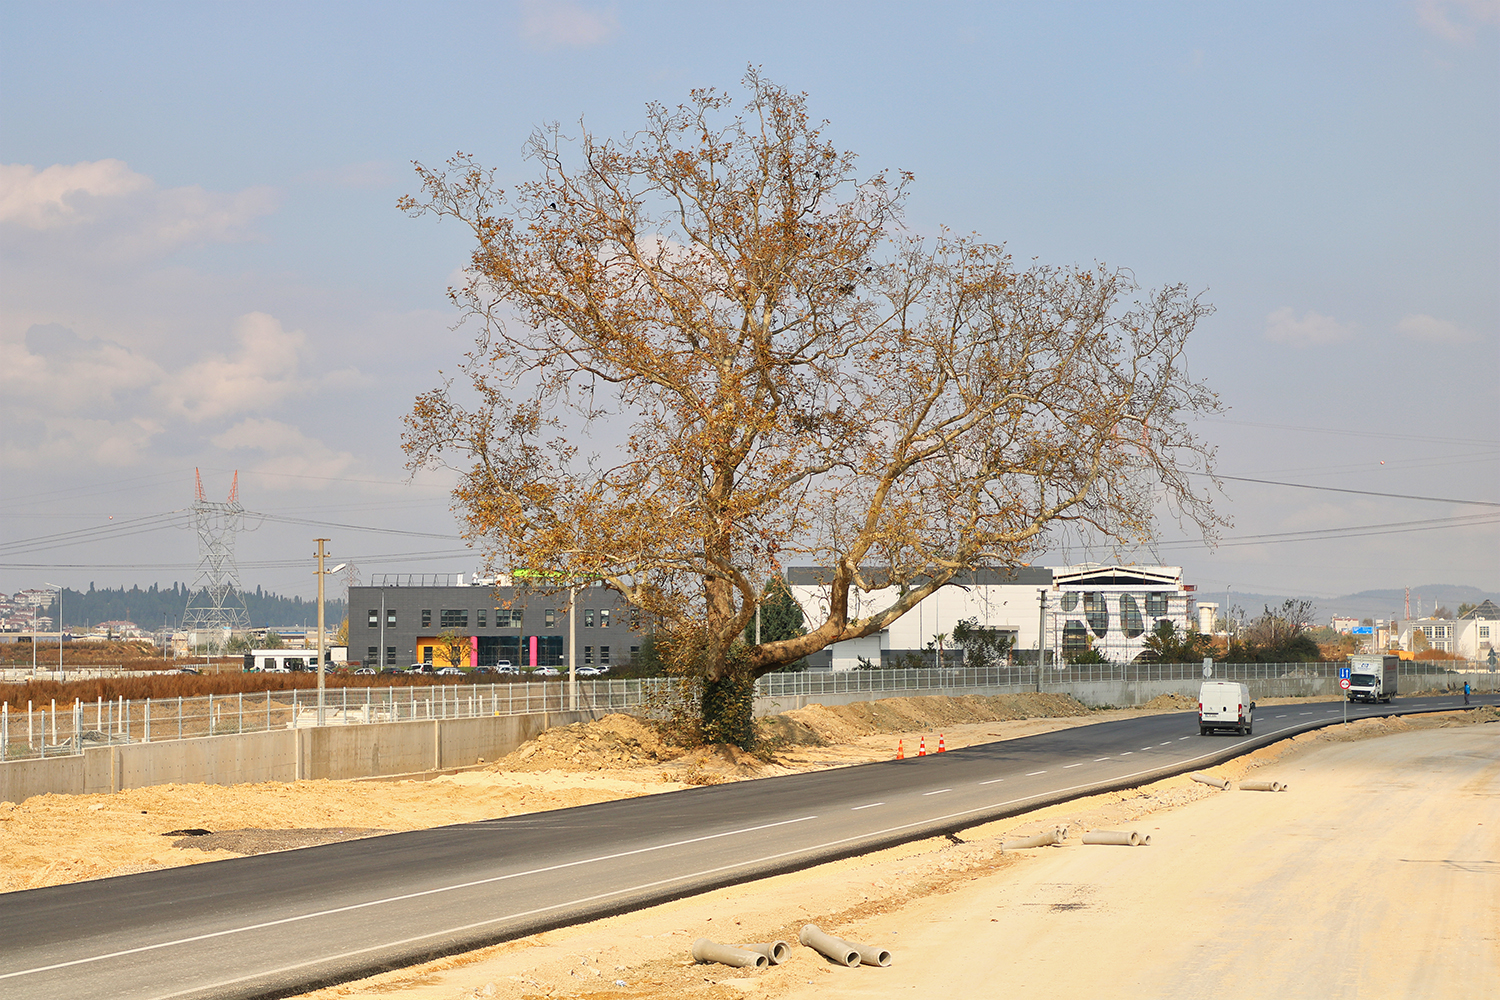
156 605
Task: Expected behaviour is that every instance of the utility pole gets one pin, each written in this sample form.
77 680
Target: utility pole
1041 633
573 647
321 574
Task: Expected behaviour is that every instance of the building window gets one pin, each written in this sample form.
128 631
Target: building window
635 619
1075 636
479 618
1484 631
426 654
374 618
372 656
427 618
1096 612
1130 617
1069 600
604 618
390 617
635 651
588 654
390 656
453 618
1156 605
588 617
549 618
507 618
604 655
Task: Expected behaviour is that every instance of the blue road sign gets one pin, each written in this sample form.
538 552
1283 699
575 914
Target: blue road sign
1343 673
1362 630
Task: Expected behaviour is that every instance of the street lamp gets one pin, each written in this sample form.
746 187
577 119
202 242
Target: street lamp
60 675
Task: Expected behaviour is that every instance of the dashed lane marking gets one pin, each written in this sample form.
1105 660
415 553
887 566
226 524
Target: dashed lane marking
867 805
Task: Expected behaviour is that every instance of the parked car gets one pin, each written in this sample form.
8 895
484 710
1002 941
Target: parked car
589 671
546 672
508 670
482 670
419 668
450 671
391 672
365 672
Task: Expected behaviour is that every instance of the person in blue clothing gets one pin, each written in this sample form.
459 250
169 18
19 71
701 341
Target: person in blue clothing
1466 692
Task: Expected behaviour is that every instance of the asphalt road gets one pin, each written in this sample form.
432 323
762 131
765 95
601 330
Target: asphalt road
279 924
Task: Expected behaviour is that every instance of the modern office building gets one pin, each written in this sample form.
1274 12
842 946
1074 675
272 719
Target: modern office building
1111 609
401 619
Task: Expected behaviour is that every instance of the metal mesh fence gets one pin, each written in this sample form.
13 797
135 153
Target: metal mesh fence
47 730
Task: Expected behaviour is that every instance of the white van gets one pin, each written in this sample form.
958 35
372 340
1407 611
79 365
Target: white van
1225 705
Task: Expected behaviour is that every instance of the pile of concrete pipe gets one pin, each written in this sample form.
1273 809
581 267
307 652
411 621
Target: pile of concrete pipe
1209 779
1046 838
1119 838
1262 786
741 956
836 949
758 956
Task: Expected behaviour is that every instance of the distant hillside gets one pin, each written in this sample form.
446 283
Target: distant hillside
1365 604
151 607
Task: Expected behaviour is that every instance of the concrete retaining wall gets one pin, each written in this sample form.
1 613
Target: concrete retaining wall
280 755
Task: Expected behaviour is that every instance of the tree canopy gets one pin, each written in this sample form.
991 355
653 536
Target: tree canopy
795 377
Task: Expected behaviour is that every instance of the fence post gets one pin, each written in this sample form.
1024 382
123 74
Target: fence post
210 714
146 735
4 730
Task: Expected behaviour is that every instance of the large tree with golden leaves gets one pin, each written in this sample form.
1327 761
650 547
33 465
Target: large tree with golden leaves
792 377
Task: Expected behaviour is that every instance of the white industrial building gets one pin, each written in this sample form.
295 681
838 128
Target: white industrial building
1109 608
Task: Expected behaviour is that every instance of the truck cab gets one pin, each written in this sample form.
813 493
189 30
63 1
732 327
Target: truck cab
1372 678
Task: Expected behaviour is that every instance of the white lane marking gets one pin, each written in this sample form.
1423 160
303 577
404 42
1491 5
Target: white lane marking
405 896
1079 764
1281 717
1098 759
936 791
1035 773
992 781
867 805
1168 743
1180 739
1304 713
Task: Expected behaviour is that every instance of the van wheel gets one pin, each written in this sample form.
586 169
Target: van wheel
1249 729
1202 730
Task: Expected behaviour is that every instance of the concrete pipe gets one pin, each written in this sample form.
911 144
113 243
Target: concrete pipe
775 951
1210 780
832 948
871 954
705 950
1119 838
1044 839
1262 786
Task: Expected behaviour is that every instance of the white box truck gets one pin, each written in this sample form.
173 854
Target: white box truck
1225 705
1372 678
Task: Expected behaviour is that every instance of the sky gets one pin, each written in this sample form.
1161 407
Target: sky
202 266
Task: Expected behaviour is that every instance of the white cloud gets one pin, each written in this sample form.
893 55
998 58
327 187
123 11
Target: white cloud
551 24
105 206
289 453
261 373
1311 330
1456 20
1431 330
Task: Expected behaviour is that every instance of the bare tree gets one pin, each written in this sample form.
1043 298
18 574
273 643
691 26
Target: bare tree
800 380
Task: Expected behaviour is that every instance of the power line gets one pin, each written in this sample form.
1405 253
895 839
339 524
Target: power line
1366 493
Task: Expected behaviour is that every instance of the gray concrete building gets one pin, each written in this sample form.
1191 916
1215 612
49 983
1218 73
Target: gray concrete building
400 619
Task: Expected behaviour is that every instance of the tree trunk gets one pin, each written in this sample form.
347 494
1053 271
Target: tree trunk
728 707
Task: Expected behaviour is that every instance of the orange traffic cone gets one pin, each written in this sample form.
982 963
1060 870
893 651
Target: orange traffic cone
900 749
922 748
941 748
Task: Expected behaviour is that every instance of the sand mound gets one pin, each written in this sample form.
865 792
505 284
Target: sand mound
843 723
264 841
1166 702
615 741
